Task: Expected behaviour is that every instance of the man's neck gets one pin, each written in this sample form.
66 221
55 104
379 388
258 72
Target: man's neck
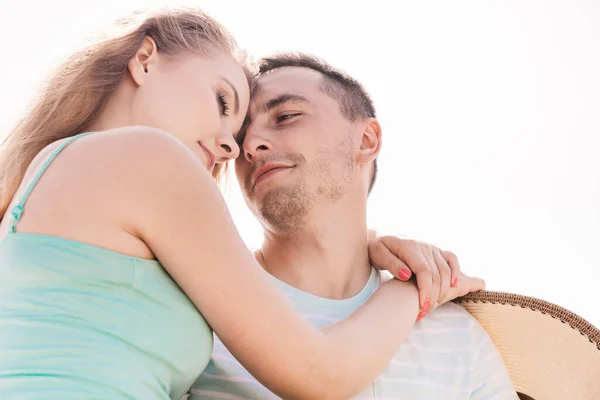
326 257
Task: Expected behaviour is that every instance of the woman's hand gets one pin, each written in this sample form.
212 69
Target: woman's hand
437 272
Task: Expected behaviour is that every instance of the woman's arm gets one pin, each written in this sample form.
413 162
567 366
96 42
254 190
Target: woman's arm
186 223
172 203
436 271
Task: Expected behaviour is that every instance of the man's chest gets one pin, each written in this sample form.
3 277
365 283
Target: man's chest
410 379
425 367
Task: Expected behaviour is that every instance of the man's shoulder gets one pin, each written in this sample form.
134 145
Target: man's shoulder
457 323
450 323
452 309
451 313
460 315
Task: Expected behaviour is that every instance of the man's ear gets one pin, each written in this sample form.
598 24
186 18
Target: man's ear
370 143
143 61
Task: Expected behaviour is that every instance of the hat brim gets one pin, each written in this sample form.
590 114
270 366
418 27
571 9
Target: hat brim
550 352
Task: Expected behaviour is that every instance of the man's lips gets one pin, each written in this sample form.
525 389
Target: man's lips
265 171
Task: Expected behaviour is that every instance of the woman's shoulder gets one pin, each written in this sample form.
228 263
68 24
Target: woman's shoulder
135 141
120 154
117 166
114 178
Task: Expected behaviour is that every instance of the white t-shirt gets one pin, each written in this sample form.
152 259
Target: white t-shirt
447 356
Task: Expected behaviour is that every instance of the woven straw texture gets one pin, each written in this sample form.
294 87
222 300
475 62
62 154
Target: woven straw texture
550 352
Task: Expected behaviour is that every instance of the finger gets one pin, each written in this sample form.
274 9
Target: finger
427 252
444 271
422 271
475 284
452 261
410 252
382 258
371 235
468 284
406 250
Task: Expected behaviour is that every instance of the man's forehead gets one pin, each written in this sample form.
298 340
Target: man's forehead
297 80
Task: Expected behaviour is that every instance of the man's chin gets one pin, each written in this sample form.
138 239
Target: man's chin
282 207
263 190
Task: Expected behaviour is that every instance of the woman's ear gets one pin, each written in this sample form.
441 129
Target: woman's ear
139 66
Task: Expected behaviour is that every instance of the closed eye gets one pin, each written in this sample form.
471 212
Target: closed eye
223 105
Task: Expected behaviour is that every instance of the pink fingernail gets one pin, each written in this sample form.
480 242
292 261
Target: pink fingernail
421 315
426 306
455 282
404 274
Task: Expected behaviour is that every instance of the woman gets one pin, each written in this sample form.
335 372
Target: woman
118 254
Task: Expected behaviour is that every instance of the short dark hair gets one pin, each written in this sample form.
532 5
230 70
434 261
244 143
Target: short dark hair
353 99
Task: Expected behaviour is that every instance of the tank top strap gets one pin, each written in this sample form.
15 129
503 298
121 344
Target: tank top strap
17 211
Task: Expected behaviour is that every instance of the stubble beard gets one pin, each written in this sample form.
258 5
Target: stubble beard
284 209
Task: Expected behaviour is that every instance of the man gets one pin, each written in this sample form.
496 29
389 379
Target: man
308 163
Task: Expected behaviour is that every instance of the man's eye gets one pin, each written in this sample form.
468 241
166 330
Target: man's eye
285 117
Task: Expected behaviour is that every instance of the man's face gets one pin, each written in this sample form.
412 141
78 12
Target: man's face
298 150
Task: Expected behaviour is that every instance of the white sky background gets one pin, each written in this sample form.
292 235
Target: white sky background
489 111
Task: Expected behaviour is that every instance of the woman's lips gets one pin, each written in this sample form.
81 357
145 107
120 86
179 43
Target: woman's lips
210 157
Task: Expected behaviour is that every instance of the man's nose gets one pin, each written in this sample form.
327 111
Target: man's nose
255 144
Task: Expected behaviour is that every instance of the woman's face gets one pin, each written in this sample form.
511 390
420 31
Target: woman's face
202 101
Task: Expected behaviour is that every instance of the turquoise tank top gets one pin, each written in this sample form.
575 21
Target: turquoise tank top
81 322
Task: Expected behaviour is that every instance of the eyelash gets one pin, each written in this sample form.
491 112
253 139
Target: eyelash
223 105
285 117
242 135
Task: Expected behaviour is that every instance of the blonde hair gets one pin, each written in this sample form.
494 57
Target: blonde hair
82 85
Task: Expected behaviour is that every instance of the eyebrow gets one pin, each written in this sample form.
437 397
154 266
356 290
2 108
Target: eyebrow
237 97
281 99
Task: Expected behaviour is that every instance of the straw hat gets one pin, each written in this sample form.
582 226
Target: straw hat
550 353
